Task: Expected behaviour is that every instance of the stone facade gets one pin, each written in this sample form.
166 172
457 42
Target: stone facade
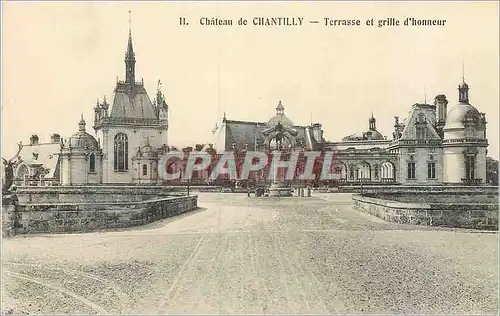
433 145
133 122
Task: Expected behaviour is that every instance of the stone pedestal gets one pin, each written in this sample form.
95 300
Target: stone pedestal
279 189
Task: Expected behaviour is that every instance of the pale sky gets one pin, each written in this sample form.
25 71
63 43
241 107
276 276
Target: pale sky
58 58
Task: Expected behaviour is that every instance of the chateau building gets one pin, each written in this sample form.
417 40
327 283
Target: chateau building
433 145
129 132
132 125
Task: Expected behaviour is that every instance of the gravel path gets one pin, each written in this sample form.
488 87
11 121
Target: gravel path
247 255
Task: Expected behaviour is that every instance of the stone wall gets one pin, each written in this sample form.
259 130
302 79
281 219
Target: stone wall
104 193
87 208
420 189
73 217
8 215
472 214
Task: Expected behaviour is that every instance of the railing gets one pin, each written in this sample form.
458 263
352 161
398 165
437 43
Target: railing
404 142
36 183
126 120
472 181
122 82
365 181
465 140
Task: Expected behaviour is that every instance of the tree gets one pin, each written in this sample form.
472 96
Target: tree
491 171
8 170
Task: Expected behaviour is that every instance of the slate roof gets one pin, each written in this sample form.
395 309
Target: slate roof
44 154
245 132
132 101
408 132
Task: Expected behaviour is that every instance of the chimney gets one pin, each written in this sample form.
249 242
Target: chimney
442 107
34 139
55 138
316 128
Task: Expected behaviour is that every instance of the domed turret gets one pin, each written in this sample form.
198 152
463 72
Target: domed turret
456 116
371 134
280 117
82 139
464 159
81 158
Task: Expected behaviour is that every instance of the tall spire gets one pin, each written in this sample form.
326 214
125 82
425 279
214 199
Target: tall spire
463 71
463 89
130 55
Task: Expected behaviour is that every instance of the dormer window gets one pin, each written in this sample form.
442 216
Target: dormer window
421 118
470 124
421 128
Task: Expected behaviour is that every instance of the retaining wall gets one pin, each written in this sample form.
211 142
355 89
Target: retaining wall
68 217
72 209
471 214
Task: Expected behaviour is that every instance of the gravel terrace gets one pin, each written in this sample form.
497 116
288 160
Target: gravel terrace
256 255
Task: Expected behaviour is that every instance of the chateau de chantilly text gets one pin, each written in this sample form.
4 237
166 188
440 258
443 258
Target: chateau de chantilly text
300 21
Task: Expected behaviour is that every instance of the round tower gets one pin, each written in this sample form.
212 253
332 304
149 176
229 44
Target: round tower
464 142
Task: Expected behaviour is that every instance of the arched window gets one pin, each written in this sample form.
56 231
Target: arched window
22 172
144 170
92 163
470 167
121 152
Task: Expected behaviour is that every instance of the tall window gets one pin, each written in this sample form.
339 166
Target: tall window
144 170
421 132
431 170
470 167
351 172
121 152
92 163
411 170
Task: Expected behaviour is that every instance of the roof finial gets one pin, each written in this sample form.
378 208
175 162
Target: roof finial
159 85
463 71
81 124
129 22
425 94
280 109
